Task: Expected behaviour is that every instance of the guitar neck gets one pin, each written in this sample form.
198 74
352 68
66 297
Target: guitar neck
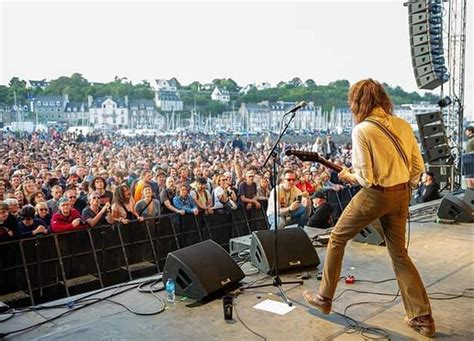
313 157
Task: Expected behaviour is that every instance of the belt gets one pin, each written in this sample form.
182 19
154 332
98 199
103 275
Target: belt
394 188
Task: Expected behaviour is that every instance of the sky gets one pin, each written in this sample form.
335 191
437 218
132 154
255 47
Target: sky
248 41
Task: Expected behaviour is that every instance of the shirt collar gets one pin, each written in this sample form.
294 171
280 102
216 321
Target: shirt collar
378 113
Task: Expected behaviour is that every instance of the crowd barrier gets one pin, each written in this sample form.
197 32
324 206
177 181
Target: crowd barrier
48 267
339 200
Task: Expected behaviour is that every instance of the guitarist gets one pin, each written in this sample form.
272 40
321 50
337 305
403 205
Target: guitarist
386 163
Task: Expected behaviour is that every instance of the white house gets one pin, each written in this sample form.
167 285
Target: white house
143 115
165 85
49 108
168 101
221 95
109 112
246 89
33 84
76 113
263 86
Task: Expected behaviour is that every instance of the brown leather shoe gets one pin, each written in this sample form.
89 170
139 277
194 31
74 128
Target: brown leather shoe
322 303
424 325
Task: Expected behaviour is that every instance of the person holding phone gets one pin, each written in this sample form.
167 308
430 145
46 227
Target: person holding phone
293 207
94 214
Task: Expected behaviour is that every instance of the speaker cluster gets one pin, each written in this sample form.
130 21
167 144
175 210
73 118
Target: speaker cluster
426 39
433 137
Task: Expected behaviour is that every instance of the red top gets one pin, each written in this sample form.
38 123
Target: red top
306 187
60 223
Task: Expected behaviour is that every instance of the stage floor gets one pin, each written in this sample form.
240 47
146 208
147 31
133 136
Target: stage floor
443 254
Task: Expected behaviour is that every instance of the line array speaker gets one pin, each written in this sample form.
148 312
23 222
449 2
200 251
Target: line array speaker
425 18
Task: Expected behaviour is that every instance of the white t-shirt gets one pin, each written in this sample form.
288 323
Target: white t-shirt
218 192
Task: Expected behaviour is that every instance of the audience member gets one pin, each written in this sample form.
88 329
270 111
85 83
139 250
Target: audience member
429 188
148 206
321 216
66 218
8 224
291 205
95 214
42 212
183 201
29 225
201 196
248 192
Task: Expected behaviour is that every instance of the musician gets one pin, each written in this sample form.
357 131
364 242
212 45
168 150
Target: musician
385 194
293 207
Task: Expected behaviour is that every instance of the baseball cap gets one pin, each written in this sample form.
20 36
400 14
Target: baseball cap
27 211
318 194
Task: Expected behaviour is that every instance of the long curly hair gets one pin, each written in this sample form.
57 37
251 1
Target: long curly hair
365 96
118 197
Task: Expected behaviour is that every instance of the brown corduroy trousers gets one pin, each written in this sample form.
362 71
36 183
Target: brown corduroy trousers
392 210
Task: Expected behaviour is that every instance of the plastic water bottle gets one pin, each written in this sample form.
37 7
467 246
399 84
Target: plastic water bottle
170 288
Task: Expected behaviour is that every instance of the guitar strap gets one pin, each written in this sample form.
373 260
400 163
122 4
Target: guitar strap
392 138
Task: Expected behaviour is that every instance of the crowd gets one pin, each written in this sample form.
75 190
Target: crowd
53 182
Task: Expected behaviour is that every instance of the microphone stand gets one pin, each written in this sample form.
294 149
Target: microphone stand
277 282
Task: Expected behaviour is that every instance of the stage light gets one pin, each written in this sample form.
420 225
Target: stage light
444 102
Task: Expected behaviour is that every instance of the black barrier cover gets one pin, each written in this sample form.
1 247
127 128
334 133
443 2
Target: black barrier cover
57 265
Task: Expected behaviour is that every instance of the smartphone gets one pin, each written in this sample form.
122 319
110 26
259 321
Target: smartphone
298 198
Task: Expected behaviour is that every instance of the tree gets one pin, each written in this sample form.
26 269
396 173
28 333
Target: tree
3 94
295 82
310 83
17 83
230 85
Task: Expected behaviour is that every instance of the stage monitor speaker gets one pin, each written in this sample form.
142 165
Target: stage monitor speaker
453 208
202 270
295 250
469 198
371 234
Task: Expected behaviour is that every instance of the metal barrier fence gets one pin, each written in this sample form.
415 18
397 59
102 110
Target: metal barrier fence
57 265
339 200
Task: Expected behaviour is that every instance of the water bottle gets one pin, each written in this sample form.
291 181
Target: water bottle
445 221
170 295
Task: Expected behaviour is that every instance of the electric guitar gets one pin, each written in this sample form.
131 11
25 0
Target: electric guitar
313 157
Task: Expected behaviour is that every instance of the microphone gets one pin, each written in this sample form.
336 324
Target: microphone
300 105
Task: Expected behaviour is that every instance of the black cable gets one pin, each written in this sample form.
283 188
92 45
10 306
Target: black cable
93 301
243 323
7 318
